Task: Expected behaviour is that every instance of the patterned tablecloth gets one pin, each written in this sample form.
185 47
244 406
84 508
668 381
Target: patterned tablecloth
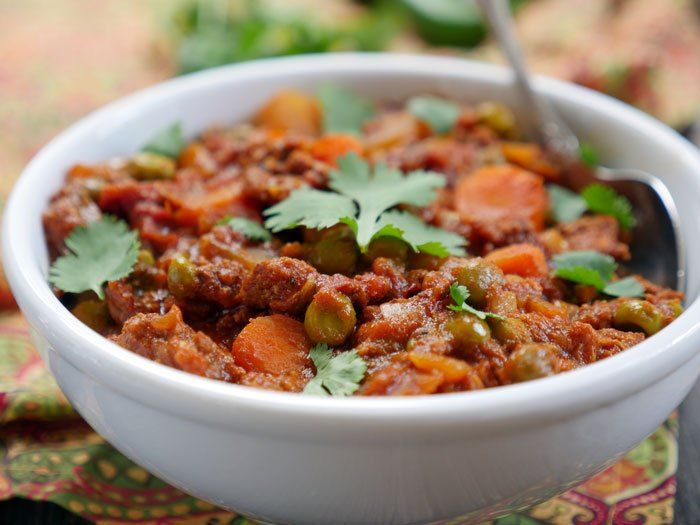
61 59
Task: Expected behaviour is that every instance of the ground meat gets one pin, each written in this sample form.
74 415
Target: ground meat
166 339
283 285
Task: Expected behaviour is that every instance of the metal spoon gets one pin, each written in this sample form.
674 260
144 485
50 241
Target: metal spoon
657 246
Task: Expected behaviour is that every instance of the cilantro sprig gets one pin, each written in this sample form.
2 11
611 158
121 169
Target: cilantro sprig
103 251
343 110
459 295
247 227
335 376
169 141
595 269
437 113
361 201
567 206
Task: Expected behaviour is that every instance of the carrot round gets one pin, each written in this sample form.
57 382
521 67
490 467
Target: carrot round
330 147
273 344
531 157
503 192
291 109
526 260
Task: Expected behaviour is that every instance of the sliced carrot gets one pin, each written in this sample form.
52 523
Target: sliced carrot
291 109
452 369
531 157
330 147
502 192
526 260
273 344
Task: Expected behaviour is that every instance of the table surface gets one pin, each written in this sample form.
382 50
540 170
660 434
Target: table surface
687 510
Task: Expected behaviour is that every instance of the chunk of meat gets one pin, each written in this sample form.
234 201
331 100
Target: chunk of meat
502 193
283 285
72 206
274 344
166 339
595 232
144 291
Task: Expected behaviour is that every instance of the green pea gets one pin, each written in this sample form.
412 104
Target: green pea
389 247
93 313
531 361
145 257
479 276
182 277
497 117
510 331
467 329
152 166
334 256
640 314
330 318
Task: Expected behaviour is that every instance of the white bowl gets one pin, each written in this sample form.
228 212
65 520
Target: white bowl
290 458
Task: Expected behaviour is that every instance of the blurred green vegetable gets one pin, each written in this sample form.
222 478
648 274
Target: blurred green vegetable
450 22
217 32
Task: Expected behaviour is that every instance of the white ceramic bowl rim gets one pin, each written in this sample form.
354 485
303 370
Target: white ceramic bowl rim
200 398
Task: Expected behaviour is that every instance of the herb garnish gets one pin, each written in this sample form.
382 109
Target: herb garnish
588 155
247 227
103 251
595 269
335 376
361 201
605 200
567 206
343 110
169 141
459 295
437 113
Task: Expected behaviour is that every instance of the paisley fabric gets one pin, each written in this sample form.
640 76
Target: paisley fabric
46 451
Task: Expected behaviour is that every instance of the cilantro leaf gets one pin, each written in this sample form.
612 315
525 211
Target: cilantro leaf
102 251
310 208
588 154
585 267
336 376
362 198
247 227
169 141
566 205
459 295
380 190
627 287
437 113
605 200
595 269
419 235
343 110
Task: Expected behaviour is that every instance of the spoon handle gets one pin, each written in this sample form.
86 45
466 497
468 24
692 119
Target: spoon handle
552 130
